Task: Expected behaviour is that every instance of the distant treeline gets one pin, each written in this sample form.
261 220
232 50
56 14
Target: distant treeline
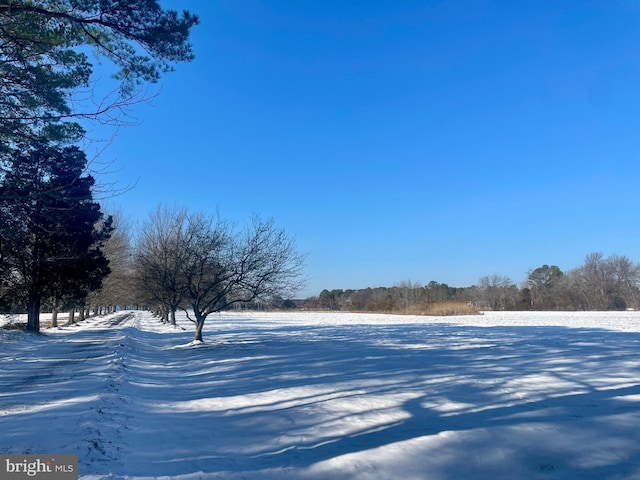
610 283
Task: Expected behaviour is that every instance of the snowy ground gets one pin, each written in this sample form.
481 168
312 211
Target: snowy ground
330 396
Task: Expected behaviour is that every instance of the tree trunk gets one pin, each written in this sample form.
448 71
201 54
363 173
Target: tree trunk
54 312
72 313
199 326
33 312
173 317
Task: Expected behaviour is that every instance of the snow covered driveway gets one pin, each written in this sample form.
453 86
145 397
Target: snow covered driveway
339 396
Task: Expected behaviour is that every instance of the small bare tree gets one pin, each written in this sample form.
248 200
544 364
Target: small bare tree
225 267
204 265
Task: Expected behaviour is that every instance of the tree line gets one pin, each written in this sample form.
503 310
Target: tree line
176 259
53 232
58 249
600 283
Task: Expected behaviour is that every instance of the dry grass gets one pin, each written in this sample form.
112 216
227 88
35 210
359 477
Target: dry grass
446 308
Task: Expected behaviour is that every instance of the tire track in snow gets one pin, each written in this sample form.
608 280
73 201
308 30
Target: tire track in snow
105 428
69 381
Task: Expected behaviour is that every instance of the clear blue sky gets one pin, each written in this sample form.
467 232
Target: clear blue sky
423 140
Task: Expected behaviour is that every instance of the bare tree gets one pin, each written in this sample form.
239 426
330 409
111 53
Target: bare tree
224 267
159 255
624 277
116 289
605 283
498 292
408 294
203 265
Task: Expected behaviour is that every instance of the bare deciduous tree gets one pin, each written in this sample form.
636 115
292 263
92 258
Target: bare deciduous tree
207 265
225 267
116 288
498 292
158 260
605 283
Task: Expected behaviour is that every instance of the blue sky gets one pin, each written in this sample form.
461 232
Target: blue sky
423 140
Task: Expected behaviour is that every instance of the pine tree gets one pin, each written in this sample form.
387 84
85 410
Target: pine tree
45 58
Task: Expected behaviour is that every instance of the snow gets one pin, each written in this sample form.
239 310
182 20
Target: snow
322 395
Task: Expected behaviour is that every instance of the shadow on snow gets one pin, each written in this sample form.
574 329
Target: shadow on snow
491 402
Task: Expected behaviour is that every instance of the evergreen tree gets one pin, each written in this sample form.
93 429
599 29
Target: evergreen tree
44 61
51 230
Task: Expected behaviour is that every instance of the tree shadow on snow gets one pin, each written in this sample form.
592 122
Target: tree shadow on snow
549 402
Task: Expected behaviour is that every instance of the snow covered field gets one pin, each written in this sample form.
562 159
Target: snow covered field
330 396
